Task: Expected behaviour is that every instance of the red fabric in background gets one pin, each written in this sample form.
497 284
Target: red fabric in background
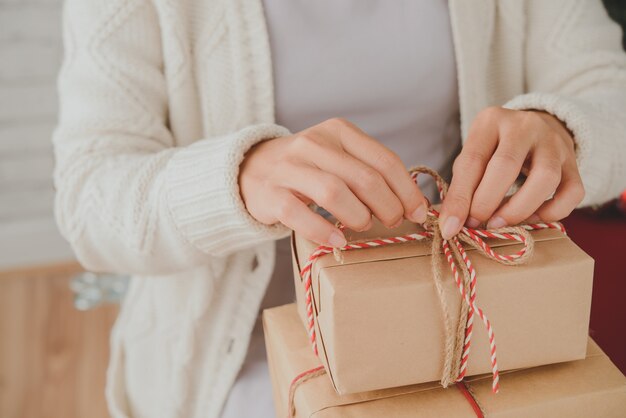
603 236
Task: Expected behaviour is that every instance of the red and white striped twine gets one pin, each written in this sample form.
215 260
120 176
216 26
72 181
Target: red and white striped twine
475 235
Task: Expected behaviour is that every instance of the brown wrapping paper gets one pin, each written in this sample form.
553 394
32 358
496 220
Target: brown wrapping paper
380 322
592 387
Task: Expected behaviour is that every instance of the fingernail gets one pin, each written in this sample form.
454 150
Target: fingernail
472 222
496 222
337 240
419 214
450 227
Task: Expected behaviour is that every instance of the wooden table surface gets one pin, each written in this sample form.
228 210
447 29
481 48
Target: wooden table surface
52 357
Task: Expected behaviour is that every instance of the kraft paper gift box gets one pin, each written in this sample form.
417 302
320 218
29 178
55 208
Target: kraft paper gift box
379 321
592 387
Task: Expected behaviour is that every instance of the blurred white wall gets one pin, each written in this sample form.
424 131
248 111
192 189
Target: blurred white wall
30 56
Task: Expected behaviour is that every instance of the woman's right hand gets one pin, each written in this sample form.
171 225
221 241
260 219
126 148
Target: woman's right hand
337 166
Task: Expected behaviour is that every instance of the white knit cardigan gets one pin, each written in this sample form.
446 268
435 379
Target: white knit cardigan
160 100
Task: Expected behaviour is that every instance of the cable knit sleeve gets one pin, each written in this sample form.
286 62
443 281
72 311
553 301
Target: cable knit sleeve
128 199
576 70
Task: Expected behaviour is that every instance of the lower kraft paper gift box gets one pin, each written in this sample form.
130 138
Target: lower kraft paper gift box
396 307
592 387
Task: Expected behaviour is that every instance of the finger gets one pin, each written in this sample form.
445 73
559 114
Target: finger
329 192
501 172
375 155
295 214
467 172
568 196
366 183
542 181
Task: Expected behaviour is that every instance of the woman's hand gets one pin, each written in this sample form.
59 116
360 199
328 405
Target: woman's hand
501 144
337 166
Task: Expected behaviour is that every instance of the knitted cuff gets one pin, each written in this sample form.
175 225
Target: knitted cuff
203 193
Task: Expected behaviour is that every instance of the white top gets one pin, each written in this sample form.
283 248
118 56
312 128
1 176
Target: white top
386 66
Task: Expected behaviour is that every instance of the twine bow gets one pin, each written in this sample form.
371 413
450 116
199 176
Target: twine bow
458 341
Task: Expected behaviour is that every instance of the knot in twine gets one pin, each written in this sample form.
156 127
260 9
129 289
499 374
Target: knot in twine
457 338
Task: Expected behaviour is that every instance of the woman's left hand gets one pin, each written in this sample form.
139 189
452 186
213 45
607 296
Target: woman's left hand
502 144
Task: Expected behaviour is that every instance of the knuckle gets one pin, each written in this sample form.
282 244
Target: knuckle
557 151
284 210
554 143
337 122
467 160
387 161
506 158
489 113
305 141
527 118
330 191
369 178
550 171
